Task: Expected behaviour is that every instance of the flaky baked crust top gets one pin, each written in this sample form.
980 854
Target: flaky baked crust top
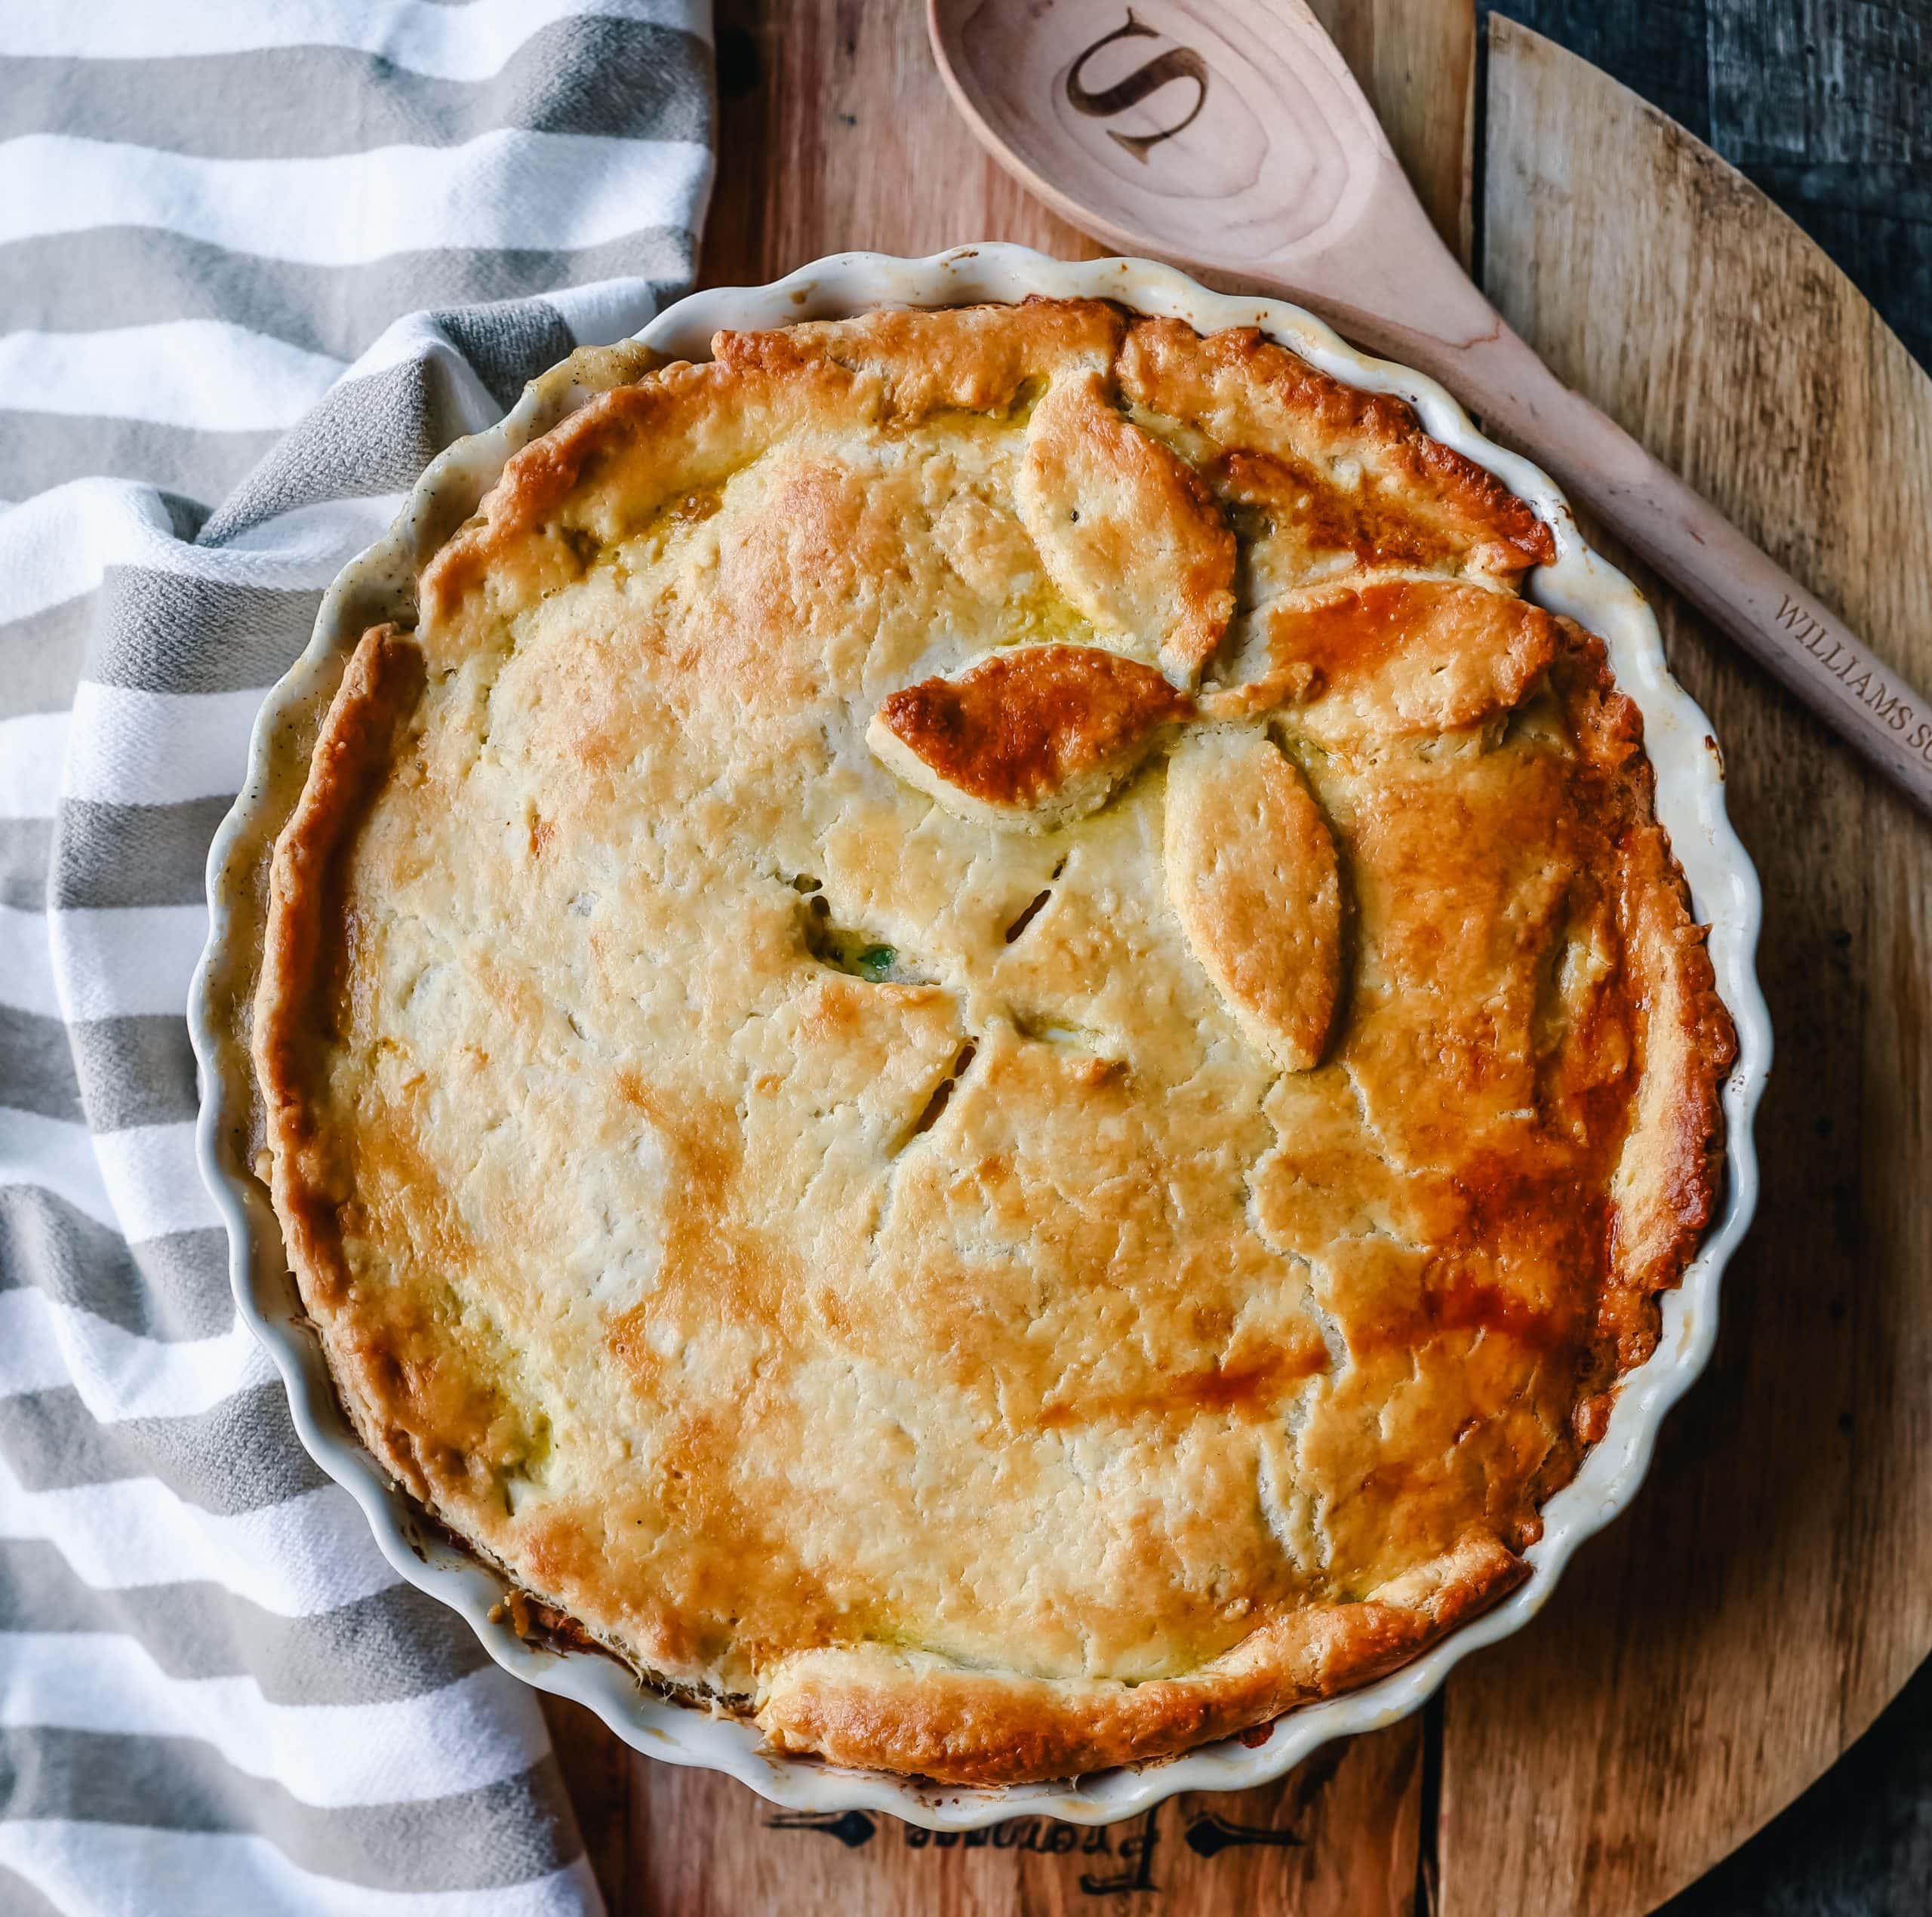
979 1048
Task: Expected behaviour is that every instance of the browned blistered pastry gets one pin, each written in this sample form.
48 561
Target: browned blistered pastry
980 1049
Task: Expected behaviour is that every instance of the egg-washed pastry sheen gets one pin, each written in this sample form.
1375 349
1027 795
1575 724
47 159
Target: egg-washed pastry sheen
980 1049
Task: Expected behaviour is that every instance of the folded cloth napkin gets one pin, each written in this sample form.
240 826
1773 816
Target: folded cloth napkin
259 262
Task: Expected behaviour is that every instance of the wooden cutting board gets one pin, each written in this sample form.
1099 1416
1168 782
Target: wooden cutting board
1714 1651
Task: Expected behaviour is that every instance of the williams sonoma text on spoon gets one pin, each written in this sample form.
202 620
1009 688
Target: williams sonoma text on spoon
1228 138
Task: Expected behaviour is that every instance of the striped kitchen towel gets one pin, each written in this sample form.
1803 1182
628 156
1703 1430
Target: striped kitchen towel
259 260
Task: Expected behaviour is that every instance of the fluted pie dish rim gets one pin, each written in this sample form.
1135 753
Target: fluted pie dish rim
1689 803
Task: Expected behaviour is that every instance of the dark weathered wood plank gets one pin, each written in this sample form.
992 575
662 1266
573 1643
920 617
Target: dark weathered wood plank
1819 82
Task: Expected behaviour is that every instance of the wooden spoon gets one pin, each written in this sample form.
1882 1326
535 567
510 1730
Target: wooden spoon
1228 138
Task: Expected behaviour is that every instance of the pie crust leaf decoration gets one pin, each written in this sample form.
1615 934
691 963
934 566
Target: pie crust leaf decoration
1029 737
1396 658
1343 478
1129 531
1251 874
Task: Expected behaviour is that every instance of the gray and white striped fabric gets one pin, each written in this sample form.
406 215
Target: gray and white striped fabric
258 262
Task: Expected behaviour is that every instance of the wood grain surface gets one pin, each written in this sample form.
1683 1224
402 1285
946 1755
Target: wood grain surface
1772 1588
1416 59
1776 1568
1823 106
1335 1839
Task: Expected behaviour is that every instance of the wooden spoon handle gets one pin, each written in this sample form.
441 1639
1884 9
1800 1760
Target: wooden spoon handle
1798 640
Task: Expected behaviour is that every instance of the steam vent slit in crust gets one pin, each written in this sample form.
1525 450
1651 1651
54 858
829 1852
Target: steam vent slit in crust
981 1050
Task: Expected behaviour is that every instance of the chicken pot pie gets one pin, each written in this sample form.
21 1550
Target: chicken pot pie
980 1050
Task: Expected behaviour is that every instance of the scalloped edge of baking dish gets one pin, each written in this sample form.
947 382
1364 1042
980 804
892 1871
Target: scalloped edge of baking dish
380 584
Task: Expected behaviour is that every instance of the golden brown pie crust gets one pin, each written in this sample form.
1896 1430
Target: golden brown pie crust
991 1293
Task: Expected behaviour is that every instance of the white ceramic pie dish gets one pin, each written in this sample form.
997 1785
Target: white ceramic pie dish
1689 802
